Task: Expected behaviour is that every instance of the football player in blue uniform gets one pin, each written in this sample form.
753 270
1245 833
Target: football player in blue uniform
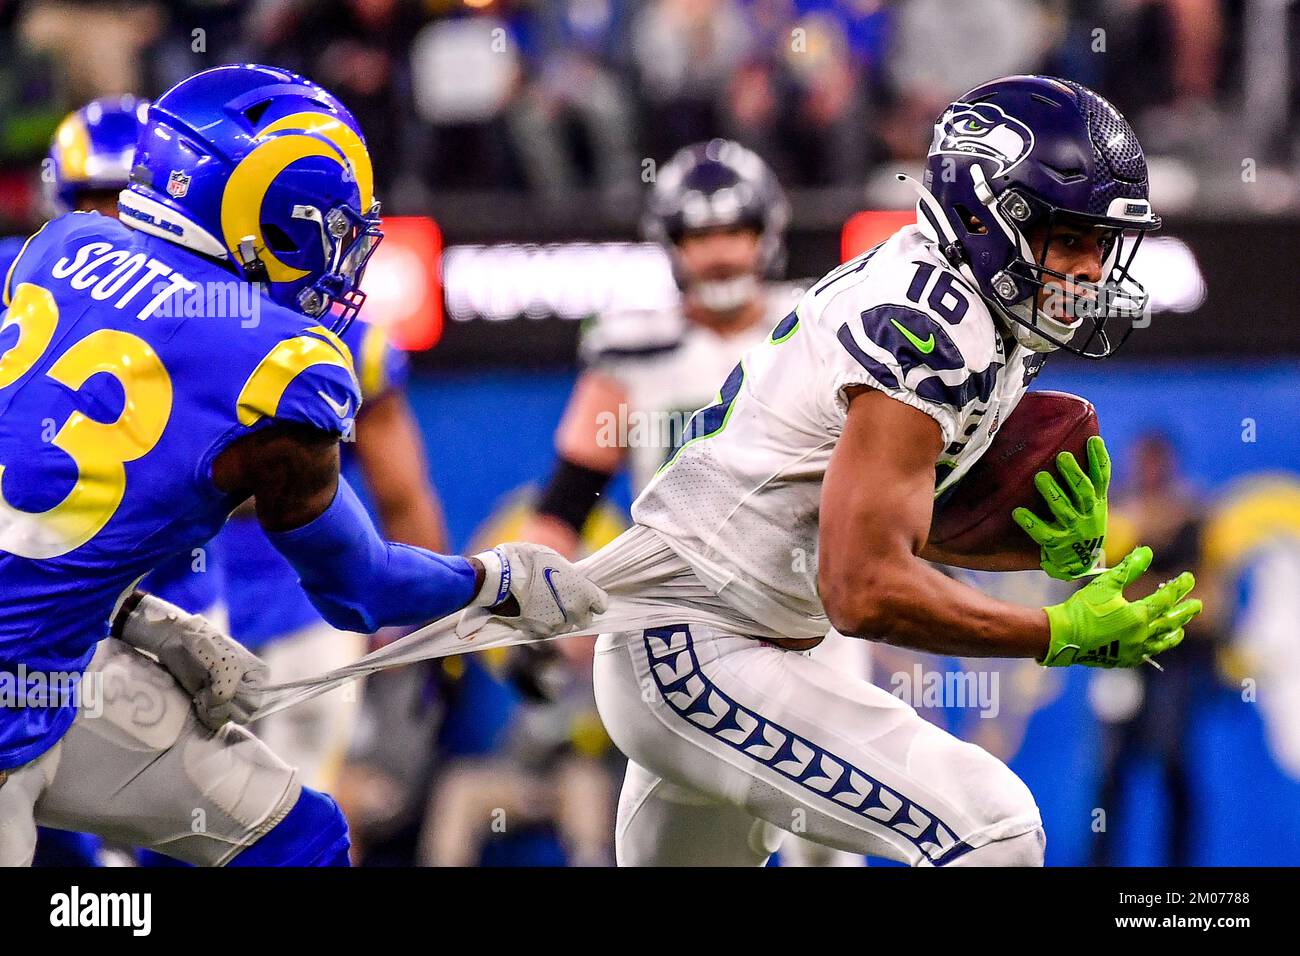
154 374
89 163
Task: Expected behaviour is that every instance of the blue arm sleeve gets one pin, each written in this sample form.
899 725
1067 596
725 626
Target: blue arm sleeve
360 582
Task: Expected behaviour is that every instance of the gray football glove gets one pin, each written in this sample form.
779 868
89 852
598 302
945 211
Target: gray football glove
533 589
224 677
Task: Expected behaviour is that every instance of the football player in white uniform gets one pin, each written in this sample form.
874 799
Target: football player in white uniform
720 215
802 498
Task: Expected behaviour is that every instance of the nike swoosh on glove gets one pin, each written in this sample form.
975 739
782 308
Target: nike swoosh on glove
532 589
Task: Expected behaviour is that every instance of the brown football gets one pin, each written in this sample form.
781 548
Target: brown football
974 518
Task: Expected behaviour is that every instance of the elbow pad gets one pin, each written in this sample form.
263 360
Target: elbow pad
360 582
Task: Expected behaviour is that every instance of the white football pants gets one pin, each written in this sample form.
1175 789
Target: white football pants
138 768
733 742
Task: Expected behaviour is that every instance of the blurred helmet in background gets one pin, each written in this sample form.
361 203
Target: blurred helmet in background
719 185
92 151
1025 152
262 169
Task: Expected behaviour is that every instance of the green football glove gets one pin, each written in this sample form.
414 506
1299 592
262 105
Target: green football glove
1071 545
1099 627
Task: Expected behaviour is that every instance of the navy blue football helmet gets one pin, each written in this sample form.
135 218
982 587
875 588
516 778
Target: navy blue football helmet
719 184
1027 155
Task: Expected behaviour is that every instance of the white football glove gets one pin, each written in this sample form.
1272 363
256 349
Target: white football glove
224 677
533 589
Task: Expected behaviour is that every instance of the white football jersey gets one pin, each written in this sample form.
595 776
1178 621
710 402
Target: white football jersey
669 367
739 499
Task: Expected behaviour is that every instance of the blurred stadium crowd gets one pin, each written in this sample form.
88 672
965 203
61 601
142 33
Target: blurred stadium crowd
501 759
549 97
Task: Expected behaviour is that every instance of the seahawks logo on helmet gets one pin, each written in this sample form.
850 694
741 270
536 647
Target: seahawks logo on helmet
984 131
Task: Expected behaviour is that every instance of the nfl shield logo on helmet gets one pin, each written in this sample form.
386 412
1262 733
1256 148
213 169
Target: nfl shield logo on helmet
178 183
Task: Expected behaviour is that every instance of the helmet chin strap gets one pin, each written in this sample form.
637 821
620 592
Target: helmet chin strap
725 295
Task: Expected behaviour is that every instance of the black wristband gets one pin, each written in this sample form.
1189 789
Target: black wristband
129 604
571 493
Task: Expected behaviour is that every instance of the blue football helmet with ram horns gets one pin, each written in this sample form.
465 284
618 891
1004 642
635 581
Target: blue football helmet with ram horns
1022 156
92 151
266 171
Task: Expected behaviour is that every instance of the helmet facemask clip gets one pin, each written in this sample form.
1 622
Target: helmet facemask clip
348 240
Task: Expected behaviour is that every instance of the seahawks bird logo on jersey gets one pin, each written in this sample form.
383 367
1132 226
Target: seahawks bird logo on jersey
982 129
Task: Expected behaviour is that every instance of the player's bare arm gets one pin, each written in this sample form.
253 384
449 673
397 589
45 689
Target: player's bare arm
584 467
877 504
291 472
876 512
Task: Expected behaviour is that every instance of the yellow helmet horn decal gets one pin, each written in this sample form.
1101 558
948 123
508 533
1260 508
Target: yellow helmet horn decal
241 203
72 140
342 136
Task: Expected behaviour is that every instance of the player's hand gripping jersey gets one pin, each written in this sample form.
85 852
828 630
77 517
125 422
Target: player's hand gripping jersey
740 499
126 365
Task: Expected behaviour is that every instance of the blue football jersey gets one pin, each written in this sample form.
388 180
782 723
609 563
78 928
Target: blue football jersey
262 592
10 246
192 580
127 364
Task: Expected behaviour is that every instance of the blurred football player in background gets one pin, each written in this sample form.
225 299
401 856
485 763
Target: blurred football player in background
720 215
1141 718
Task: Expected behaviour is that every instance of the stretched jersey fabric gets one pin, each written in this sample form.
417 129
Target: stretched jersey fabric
668 367
740 499
737 505
262 592
127 364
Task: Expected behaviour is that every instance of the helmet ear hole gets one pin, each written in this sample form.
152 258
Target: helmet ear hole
277 239
972 223
255 112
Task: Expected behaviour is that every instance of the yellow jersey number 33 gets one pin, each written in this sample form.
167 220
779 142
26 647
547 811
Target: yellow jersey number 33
100 450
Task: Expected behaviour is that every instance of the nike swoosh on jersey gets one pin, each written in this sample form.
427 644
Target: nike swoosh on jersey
343 410
926 346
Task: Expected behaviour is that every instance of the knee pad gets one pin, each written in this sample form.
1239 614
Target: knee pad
1025 849
313 833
